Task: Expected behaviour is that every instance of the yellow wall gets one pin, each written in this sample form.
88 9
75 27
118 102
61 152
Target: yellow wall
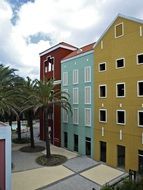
127 46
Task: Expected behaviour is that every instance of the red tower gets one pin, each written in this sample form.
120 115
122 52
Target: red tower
50 67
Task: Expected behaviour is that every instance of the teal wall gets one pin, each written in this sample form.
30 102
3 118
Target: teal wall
78 62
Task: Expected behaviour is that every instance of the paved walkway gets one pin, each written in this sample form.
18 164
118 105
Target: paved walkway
78 173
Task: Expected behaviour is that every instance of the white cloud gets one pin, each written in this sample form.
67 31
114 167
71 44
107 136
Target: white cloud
77 22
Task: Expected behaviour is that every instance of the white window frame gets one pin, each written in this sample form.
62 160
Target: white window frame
138 88
76 116
137 59
75 96
121 23
101 85
75 76
117 90
65 116
124 117
141 31
85 74
138 117
87 98
102 64
86 115
105 115
123 63
65 78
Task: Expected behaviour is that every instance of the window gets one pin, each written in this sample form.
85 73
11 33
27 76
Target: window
120 90
140 118
75 116
140 88
120 63
119 30
75 95
102 67
103 115
140 58
102 91
65 116
87 117
87 74
65 78
75 76
87 93
120 117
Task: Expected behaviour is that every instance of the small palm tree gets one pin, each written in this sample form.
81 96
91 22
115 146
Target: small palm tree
46 96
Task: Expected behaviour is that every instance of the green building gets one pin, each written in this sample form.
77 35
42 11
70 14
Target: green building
77 80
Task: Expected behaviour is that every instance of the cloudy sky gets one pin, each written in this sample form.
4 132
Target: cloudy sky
28 27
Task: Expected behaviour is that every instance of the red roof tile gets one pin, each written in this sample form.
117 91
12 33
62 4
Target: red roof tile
79 51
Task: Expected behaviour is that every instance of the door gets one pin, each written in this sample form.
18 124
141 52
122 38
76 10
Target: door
102 151
76 143
120 156
88 146
2 164
65 139
140 161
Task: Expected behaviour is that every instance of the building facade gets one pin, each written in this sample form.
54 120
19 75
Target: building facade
118 95
50 67
77 80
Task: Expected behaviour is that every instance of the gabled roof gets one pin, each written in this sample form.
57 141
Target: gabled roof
79 51
60 45
121 16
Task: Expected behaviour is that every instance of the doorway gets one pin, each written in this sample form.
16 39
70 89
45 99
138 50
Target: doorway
120 156
65 139
75 142
102 151
140 161
88 146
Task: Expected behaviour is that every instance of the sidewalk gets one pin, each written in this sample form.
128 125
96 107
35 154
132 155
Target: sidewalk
78 173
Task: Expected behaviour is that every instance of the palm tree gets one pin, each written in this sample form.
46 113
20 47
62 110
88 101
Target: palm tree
47 95
29 104
7 92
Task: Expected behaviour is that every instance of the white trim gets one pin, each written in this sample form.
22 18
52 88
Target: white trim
121 135
102 132
75 95
65 78
5 133
121 16
102 64
138 117
56 47
123 63
101 85
105 115
87 97
116 31
77 56
86 69
117 90
75 76
57 82
137 58
65 116
101 44
138 88
85 115
76 116
141 31
142 138
124 117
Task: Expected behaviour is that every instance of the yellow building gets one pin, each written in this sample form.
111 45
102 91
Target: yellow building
119 94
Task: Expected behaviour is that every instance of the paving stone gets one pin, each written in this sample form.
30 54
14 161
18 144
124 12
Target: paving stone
79 164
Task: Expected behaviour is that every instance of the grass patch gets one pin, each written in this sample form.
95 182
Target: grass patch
54 160
21 141
29 149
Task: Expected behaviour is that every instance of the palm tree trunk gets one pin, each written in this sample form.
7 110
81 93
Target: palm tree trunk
19 129
30 124
47 138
